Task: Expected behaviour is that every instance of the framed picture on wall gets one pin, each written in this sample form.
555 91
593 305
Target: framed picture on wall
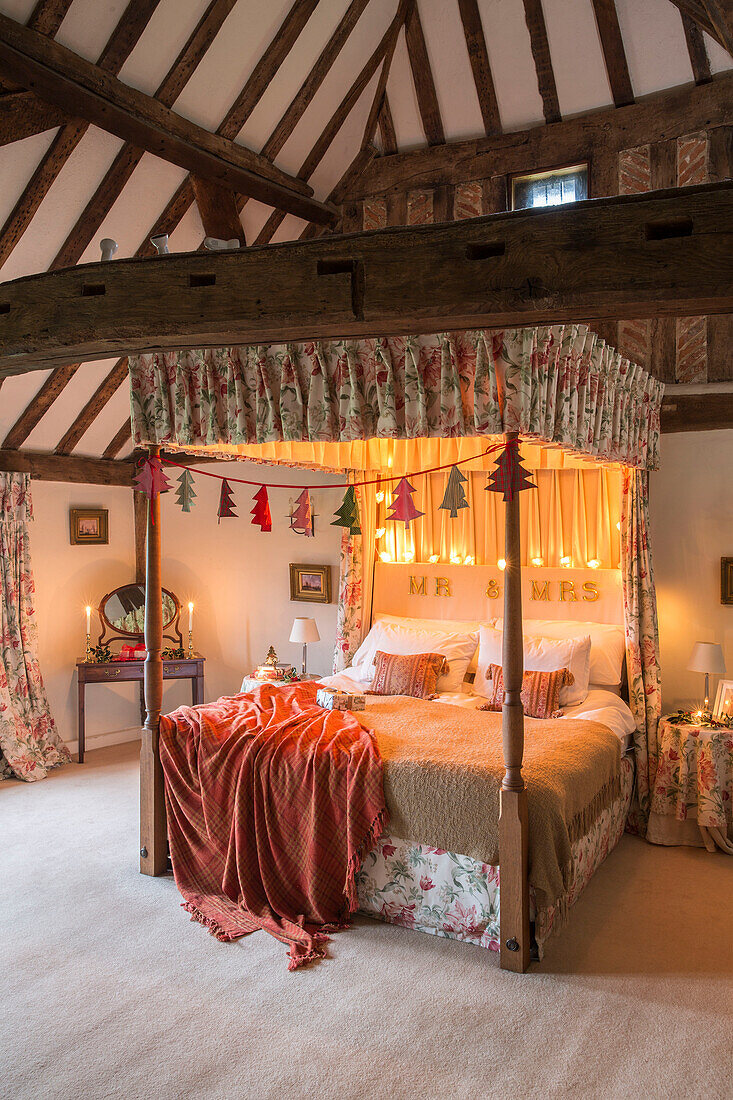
88 526
310 583
726 580
724 700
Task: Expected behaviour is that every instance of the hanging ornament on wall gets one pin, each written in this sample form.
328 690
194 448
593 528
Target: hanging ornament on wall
185 494
151 479
348 514
301 517
226 503
403 506
510 476
261 514
455 494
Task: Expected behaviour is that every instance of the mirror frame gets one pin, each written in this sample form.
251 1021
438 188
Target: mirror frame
171 631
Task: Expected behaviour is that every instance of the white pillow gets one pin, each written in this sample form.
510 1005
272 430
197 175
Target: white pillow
444 626
540 655
607 644
457 648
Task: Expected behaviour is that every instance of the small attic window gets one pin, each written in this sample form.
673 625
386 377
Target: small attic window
553 188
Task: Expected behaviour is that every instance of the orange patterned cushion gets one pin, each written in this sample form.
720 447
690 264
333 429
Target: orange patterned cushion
415 675
540 691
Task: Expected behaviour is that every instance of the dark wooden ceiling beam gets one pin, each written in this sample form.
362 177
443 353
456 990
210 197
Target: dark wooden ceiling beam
713 16
22 115
107 388
614 54
69 468
697 50
118 441
46 18
57 381
696 412
217 207
478 56
535 19
422 76
405 11
664 253
657 117
130 156
59 75
387 132
119 47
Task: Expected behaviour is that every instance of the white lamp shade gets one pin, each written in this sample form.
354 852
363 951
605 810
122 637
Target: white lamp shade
707 657
304 630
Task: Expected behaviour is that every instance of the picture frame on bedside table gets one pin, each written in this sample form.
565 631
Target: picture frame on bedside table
310 583
723 700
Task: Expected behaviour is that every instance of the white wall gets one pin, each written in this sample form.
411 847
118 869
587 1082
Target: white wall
692 528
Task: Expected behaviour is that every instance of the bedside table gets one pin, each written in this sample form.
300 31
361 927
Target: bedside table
692 796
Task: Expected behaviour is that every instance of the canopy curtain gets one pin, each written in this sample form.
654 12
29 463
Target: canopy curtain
29 743
558 383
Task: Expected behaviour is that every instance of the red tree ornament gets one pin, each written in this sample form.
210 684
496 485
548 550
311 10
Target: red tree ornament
226 502
509 477
301 518
403 507
261 514
152 479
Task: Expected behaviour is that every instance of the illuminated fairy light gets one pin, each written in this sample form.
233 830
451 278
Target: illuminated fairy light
433 558
618 525
386 556
593 563
455 559
380 532
469 560
409 555
566 561
538 562
379 497
501 563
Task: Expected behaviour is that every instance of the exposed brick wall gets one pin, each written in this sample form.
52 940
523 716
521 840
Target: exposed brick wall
420 208
634 176
467 202
375 213
692 332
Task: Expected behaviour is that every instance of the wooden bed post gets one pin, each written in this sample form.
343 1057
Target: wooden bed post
513 817
153 833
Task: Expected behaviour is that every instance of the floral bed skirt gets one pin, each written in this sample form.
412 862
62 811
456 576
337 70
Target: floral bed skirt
450 895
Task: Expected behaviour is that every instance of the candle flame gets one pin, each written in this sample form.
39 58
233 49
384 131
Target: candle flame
501 563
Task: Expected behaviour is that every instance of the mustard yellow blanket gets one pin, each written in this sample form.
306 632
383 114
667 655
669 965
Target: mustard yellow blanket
443 767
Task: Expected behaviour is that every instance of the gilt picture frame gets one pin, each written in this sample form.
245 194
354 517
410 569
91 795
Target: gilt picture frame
723 700
726 580
88 526
310 583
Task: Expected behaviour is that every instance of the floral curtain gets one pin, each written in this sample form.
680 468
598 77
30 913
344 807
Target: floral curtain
560 384
29 743
356 580
642 640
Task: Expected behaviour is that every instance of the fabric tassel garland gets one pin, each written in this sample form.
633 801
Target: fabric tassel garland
261 515
403 506
509 477
226 503
455 494
348 514
301 518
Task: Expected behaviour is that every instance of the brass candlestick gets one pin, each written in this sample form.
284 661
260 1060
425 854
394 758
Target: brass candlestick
190 643
89 657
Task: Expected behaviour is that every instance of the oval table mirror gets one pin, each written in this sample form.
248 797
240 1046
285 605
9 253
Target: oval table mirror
122 613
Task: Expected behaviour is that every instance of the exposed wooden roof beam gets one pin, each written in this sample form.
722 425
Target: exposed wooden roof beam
340 192
57 381
713 16
406 10
118 441
656 117
697 50
119 47
57 74
70 468
535 18
106 389
664 253
614 54
46 18
22 115
422 75
479 58
696 412
386 128
130 156
218 211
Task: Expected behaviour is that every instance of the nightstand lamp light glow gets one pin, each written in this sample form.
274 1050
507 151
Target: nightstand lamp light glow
707 657
304 631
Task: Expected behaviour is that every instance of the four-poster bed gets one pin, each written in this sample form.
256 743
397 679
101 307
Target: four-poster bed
314 404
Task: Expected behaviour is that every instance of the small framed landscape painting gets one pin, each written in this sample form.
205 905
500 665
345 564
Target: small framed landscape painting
88 526
726 580
310 583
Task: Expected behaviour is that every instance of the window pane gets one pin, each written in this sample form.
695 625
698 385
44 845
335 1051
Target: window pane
550 188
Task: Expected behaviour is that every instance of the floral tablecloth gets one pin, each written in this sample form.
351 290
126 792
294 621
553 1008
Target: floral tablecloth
694 780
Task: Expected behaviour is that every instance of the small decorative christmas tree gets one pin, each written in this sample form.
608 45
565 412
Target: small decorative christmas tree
226 502
348 513
403 507
185 494
455 495
152 478
261 514
301 518
509 477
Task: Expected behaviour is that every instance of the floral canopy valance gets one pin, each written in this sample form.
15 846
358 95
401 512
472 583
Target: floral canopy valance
557 384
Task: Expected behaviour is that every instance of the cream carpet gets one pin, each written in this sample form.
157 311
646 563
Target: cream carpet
108 990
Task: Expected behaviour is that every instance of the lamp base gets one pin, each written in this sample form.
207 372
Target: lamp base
305 651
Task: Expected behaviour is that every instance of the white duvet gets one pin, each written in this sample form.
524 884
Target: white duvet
599 705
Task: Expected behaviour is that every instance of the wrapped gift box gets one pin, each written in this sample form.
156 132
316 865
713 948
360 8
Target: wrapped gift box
332 699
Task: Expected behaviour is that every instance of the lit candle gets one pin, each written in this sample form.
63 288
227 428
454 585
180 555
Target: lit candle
190 617
89 620
501 563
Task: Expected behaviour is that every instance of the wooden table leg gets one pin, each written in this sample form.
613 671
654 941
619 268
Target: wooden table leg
197 688
81 723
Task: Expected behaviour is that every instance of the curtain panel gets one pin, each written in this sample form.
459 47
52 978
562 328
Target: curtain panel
29 742
556 384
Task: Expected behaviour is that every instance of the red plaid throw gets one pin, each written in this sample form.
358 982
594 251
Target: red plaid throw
272 805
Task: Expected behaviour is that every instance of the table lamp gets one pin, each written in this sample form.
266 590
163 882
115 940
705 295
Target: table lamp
707 657
304 630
